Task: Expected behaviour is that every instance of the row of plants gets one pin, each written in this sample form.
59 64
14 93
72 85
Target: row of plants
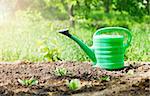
73 84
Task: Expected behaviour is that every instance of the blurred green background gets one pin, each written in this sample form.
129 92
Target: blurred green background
29 28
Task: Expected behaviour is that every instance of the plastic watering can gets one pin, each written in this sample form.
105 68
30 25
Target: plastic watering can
107 51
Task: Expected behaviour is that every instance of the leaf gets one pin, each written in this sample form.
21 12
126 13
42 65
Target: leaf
22 82
29 82
26 82
105 78
130 72
60 71
74 84
34 82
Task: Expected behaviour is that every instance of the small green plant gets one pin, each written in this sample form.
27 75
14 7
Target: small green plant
27 82
60 72
105 78
48 51
74 84
130 72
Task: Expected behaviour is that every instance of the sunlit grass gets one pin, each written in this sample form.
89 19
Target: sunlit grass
22 37
19 36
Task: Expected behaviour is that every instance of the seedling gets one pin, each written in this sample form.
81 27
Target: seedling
27 82
74 84
60 72
130 72
105 78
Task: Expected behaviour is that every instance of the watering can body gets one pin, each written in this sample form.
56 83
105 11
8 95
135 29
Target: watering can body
108 50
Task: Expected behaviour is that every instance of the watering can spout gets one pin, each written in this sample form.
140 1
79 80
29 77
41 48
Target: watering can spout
85 48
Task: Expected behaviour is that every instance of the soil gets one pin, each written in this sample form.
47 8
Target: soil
133 80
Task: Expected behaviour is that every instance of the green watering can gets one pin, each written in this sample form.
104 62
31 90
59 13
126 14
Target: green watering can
107 51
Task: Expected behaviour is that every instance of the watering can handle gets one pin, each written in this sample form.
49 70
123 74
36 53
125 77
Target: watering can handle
113 29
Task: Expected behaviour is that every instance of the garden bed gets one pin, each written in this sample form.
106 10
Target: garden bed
134 79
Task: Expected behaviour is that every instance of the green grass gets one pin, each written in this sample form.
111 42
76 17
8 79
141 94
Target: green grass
140 49
36 39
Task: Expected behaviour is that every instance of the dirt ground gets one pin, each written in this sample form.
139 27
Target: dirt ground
133 80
